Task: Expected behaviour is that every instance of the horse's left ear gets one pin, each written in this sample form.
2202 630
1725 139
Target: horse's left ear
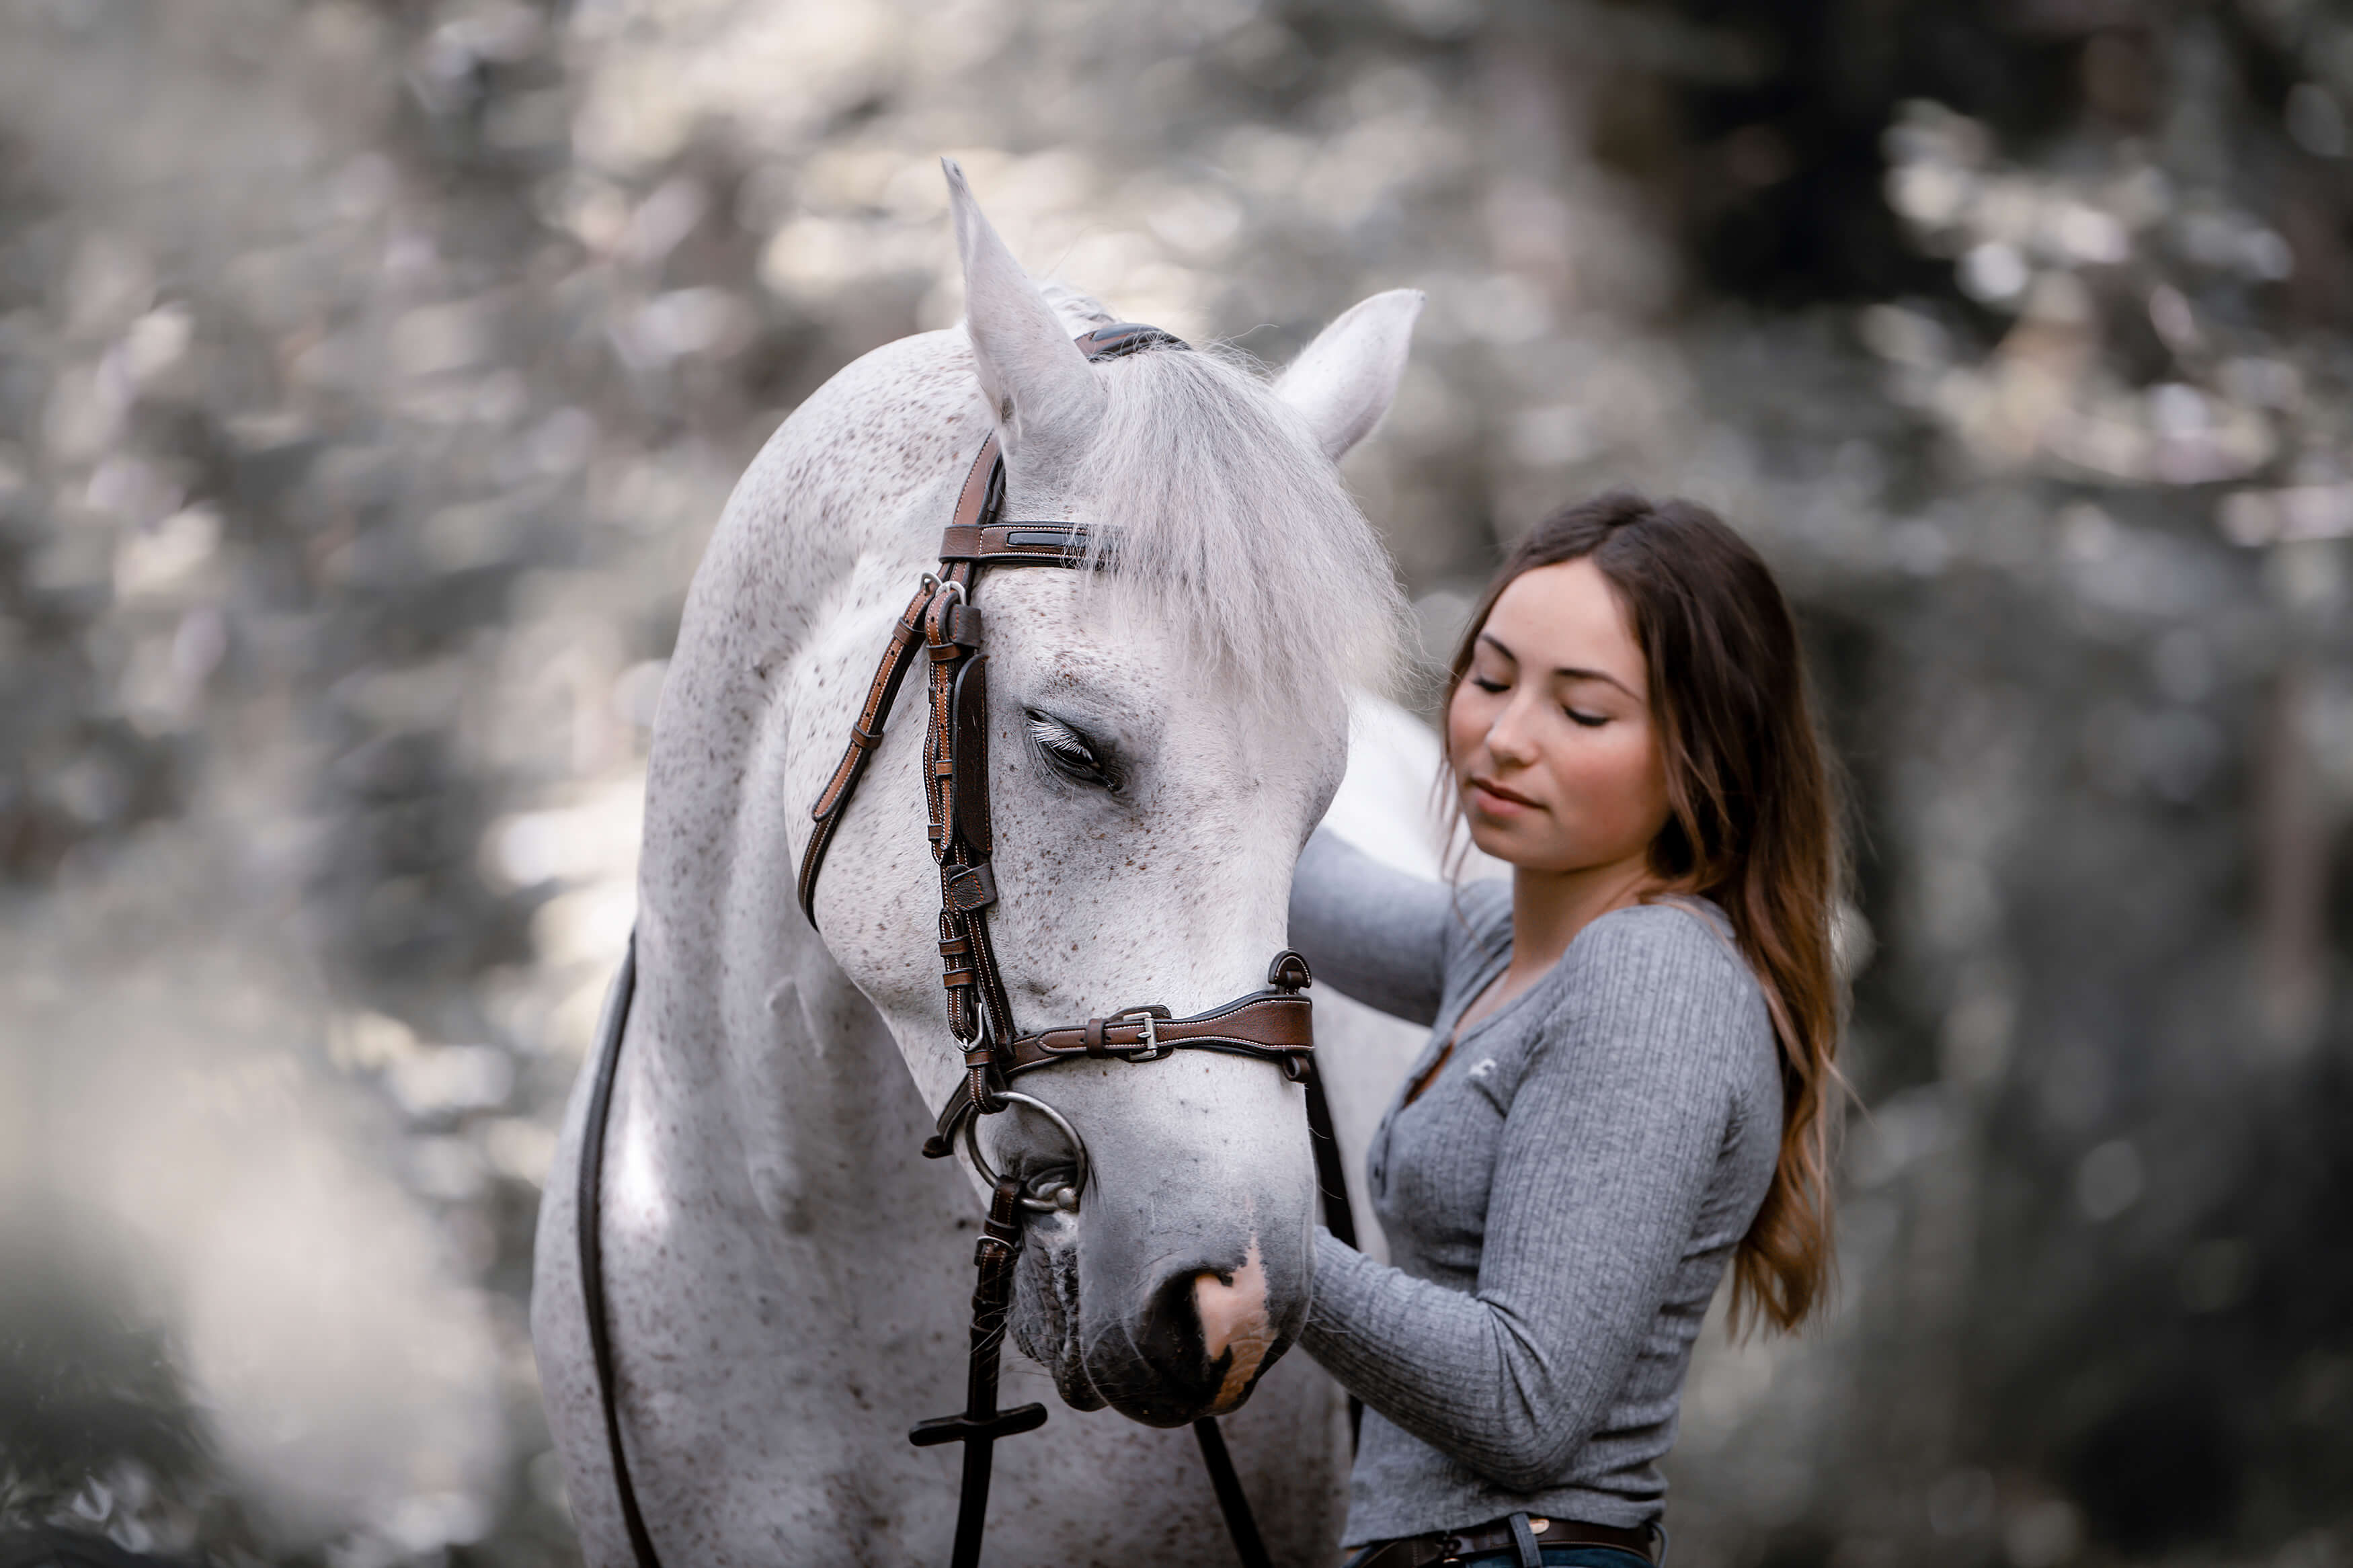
1346 380
1046 398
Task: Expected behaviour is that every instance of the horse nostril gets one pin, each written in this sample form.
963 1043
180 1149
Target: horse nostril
1196 1346
1231 1310
1234 1324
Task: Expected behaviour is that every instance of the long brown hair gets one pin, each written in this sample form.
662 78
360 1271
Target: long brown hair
1752 823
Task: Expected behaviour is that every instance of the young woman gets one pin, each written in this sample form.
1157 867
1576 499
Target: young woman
1628 1076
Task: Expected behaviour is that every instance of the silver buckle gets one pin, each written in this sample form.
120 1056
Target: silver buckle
1149 1018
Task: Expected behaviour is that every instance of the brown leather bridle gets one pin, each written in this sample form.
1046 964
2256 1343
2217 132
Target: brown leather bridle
1274 1024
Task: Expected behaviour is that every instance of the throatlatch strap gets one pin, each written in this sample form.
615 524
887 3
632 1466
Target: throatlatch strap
864 736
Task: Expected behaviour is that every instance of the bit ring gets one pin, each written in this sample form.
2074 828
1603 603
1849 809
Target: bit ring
1063 1198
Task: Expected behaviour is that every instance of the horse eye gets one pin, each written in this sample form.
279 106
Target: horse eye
1070 753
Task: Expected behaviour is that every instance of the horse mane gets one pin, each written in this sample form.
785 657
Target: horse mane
1233 525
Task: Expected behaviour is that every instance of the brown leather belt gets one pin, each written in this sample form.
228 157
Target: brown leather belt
1453 1545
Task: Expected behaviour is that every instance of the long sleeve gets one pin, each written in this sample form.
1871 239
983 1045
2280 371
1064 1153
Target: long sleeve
1610 1142
1377 933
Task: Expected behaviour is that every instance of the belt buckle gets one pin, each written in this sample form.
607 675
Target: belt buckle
1150 1049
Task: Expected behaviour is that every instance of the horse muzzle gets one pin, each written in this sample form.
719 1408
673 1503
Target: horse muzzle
1192 1338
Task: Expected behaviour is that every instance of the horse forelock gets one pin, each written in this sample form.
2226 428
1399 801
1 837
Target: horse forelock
1226 520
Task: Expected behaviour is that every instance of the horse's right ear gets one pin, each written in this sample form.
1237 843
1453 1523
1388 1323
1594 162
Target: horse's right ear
1346 380
1046 400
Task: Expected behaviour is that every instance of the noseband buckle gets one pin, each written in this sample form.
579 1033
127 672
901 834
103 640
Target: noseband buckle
1149 1049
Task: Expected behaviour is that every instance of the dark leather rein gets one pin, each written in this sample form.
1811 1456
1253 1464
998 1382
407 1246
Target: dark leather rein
1274 1024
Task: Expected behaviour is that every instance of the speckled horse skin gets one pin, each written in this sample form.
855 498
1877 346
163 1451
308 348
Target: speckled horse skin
788 1279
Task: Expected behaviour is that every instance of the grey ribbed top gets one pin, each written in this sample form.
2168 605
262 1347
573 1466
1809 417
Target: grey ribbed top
1560 1203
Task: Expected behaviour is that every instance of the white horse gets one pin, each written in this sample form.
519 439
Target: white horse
788 1279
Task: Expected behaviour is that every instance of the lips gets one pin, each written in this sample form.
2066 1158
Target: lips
1498 792
1046 1316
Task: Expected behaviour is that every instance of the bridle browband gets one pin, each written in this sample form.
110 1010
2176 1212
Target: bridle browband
1273 1025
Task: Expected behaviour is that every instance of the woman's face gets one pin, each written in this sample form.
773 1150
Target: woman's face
1554 752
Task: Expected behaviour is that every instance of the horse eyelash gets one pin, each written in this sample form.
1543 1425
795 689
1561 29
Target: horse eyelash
1058 737
1064 743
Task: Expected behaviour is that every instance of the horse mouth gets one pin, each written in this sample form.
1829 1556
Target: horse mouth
1197 1349
1198 1346
1148 1394
1046 1323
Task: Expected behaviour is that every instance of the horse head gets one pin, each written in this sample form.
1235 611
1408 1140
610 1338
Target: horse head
1163 731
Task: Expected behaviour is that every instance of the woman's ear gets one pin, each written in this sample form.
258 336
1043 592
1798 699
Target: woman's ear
1046 401
1346 380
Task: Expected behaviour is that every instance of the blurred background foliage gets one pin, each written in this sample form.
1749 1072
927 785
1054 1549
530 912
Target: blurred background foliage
371 375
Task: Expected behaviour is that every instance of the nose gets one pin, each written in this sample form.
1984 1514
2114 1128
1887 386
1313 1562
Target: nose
1235 1330
1203 1337
1511 738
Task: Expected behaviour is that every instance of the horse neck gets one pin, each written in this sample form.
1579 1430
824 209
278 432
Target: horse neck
773 1092
759 1049
752 1026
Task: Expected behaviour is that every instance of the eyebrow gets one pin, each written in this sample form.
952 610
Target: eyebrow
1572 671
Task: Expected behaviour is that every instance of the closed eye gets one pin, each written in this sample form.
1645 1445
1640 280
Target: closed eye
1071 753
